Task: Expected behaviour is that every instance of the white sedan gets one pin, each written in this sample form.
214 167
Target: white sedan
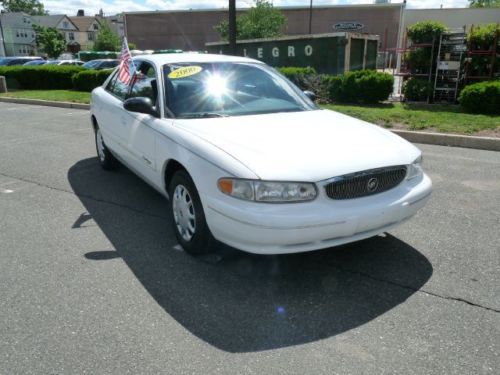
248 159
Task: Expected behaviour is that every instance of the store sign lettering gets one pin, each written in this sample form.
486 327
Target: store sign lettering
288 51
348 26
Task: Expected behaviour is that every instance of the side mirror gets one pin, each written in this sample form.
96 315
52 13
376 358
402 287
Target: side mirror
140 105
310 95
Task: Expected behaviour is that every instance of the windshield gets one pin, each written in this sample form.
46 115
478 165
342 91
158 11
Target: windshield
35 62
195 90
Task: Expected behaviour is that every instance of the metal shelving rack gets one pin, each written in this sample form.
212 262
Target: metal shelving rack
405 70
452 46
493 53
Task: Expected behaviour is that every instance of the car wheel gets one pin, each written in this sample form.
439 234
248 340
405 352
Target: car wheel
188 218
106 158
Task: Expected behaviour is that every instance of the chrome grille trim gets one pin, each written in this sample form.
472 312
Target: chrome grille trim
355 185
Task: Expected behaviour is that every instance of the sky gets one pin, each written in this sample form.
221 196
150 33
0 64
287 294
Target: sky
110 7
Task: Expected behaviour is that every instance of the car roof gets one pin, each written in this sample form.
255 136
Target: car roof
21 57
168 58
102 60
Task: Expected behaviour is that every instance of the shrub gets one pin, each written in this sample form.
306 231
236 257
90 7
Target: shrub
308 79
482 97
362 86
296 74
320 84
419 60
87 80
40 77
417 89
482 37
424 31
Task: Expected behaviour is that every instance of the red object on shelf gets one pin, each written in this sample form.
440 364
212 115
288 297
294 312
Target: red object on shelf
481 52
420 45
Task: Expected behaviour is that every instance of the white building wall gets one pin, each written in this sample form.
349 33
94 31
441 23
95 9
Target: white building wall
453 17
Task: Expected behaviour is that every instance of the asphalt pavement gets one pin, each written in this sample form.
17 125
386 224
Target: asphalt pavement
93 282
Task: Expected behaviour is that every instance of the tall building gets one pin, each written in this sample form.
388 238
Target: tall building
18 36
2 44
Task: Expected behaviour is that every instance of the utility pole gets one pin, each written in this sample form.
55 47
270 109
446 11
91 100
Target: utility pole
310 16
232 27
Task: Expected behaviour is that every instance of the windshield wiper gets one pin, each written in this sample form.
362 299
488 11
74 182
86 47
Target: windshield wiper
202 115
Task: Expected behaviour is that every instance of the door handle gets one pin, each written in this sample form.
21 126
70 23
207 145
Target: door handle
147 160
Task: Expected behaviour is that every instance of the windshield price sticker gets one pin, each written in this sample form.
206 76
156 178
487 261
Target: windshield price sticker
185 72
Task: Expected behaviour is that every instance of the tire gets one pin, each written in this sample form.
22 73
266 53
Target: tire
188 219
105 157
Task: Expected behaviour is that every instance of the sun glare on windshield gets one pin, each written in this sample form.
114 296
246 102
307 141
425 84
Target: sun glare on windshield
216 85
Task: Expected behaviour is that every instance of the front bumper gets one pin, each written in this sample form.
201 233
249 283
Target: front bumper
296 227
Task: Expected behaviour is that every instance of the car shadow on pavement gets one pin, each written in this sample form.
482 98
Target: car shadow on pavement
236 301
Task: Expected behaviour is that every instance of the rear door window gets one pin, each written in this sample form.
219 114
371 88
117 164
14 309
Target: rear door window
145 84
117 88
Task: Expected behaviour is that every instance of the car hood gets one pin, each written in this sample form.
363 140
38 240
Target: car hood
303 146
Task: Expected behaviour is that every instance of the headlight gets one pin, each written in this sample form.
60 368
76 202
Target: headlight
267 191
415 168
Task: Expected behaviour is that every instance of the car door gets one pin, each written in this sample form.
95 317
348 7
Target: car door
141 127
113 119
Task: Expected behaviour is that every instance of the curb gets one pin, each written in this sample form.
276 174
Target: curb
46 103
440 139
455 140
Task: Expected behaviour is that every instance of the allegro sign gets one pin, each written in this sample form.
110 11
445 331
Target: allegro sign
288 51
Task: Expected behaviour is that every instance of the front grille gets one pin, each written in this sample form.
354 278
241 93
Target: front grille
362 184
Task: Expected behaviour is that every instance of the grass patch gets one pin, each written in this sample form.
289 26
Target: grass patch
441 118
53 95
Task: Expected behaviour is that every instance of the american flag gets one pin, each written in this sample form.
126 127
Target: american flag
127 67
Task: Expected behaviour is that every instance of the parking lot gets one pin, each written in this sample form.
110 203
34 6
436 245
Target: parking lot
92 280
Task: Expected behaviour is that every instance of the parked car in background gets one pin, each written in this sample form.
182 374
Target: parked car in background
21 60
35 63
101 64
65 62
247 158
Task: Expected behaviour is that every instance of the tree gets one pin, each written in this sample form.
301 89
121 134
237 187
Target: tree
50 40
32 7
260 21
107 40
484 3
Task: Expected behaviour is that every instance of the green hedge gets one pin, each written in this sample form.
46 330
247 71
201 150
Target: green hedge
40 77
483 97
417 89
362 86
88 80
52 77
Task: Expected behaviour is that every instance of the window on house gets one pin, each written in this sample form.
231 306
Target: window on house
90 35
17 34
71 36
96 27
65 24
